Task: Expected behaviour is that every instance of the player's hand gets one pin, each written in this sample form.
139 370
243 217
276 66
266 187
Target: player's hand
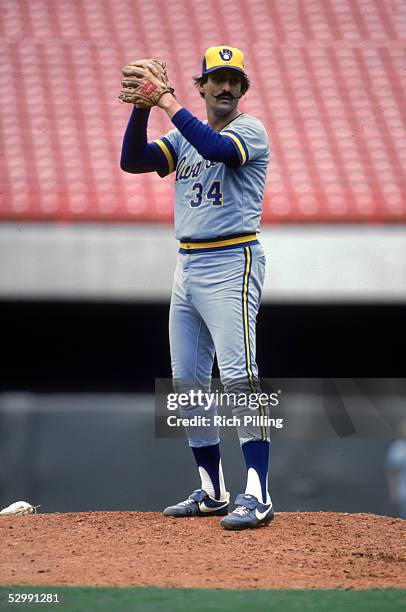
144 82
167 99
153 68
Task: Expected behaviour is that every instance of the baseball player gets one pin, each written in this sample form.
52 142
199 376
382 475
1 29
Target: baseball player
395 464
220 168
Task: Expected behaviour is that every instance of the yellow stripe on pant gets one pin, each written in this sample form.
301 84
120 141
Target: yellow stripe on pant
246 336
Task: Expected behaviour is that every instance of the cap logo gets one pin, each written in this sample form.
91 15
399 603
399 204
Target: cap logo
226 55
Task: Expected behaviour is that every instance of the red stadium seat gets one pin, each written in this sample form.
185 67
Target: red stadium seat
328 81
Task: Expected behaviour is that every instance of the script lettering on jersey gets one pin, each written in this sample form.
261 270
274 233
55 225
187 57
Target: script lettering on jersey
185 171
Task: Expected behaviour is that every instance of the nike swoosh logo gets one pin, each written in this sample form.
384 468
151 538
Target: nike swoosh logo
261 515
204 508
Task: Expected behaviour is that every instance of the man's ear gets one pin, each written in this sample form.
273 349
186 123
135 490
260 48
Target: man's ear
201 90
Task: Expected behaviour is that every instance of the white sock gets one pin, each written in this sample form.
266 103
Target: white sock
207 484
254 486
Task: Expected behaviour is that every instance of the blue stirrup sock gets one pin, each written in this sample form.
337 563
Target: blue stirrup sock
256 455
211 473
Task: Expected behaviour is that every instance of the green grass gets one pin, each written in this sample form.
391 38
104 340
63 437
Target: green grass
87 599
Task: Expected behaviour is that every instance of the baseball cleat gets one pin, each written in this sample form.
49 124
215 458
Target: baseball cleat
199 503
250 513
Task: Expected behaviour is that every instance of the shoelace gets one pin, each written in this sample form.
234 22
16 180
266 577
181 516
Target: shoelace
241 510
187 501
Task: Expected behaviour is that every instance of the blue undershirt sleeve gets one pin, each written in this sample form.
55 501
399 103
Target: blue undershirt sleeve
137 156
210 144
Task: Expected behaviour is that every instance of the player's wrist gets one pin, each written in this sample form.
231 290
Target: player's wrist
166 100
169 103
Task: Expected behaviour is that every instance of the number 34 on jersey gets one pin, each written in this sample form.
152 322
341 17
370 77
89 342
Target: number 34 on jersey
213 195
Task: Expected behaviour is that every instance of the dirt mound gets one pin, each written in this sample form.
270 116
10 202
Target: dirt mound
298 550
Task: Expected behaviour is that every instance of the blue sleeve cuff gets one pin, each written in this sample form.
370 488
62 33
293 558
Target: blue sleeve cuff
180 117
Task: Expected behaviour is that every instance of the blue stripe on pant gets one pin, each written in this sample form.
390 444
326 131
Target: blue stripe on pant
214 306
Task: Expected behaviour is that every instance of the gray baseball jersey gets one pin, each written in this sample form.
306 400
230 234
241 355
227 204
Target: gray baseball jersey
211 199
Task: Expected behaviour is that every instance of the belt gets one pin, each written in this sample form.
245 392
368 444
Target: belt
217 244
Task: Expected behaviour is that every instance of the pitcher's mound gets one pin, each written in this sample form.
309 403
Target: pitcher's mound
297 550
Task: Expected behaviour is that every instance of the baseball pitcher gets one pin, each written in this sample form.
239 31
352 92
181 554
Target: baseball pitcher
220 167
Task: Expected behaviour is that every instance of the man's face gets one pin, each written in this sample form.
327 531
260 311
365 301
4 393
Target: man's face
222 91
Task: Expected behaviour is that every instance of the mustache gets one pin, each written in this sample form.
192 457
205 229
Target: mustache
228 95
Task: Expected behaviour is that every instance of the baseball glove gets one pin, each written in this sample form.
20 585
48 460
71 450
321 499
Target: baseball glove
141 86
20 507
